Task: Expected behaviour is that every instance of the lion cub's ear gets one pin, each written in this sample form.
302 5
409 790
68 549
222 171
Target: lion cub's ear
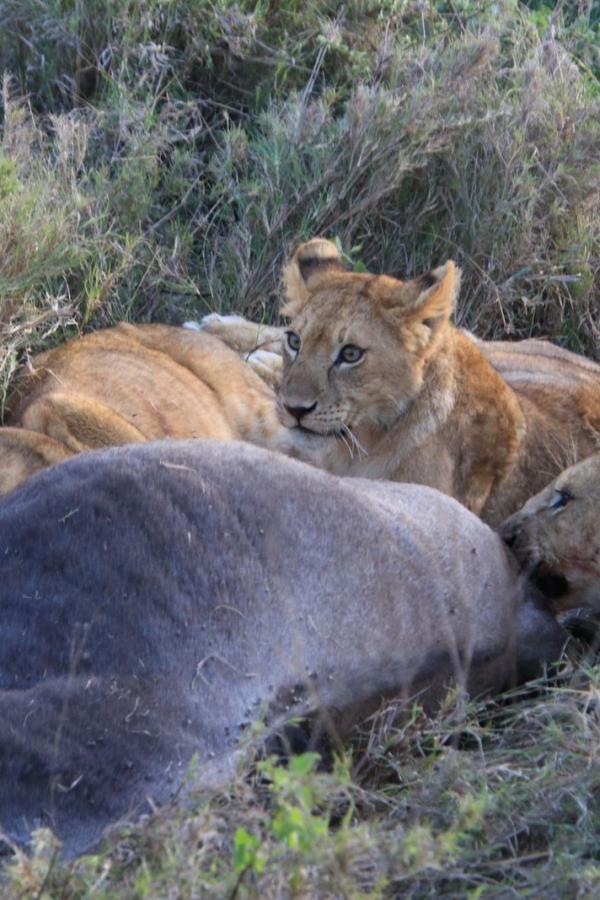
311 262
431 297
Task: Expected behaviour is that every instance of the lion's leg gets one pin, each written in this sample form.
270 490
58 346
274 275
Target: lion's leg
23 453
588 402
477 492
78 423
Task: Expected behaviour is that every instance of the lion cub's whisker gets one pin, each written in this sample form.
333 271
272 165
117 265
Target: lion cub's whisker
348 445
362 451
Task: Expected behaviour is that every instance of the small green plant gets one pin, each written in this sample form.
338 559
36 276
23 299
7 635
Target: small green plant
294 792
247 853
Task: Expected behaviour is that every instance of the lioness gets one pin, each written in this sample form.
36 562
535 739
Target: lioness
556 537
375 365
128 384
156 599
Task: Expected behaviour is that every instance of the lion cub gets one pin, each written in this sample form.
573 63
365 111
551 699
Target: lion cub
375 367
555 536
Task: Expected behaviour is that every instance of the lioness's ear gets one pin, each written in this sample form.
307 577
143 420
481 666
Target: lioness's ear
311 262
432 296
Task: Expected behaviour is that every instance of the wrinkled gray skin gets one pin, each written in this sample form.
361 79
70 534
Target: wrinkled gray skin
157 598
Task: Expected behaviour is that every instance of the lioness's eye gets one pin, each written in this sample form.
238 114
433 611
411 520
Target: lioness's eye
350 353
293 340
560 499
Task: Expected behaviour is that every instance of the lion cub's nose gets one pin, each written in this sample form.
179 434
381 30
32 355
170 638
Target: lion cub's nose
299 411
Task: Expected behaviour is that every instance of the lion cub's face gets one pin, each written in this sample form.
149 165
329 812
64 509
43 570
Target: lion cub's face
556 536
358 344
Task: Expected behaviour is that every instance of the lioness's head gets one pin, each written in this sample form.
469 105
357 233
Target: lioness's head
358 345
556 537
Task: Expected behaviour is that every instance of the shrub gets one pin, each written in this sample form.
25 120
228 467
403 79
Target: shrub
222 134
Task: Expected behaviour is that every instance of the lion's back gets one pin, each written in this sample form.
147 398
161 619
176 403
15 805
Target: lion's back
162 380
539 362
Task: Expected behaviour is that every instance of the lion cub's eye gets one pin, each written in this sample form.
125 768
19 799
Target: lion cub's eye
350 353
293 341
560 499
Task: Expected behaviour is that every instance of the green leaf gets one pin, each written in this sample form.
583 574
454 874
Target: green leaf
304 763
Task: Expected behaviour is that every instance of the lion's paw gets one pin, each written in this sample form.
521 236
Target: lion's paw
238 333
268 364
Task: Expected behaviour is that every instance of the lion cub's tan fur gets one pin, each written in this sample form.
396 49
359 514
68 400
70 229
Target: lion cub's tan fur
488 423
556 536
128 384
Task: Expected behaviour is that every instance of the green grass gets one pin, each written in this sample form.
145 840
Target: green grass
158 159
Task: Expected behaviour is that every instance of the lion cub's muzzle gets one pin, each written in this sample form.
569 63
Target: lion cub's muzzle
315 417
550 582
514 535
